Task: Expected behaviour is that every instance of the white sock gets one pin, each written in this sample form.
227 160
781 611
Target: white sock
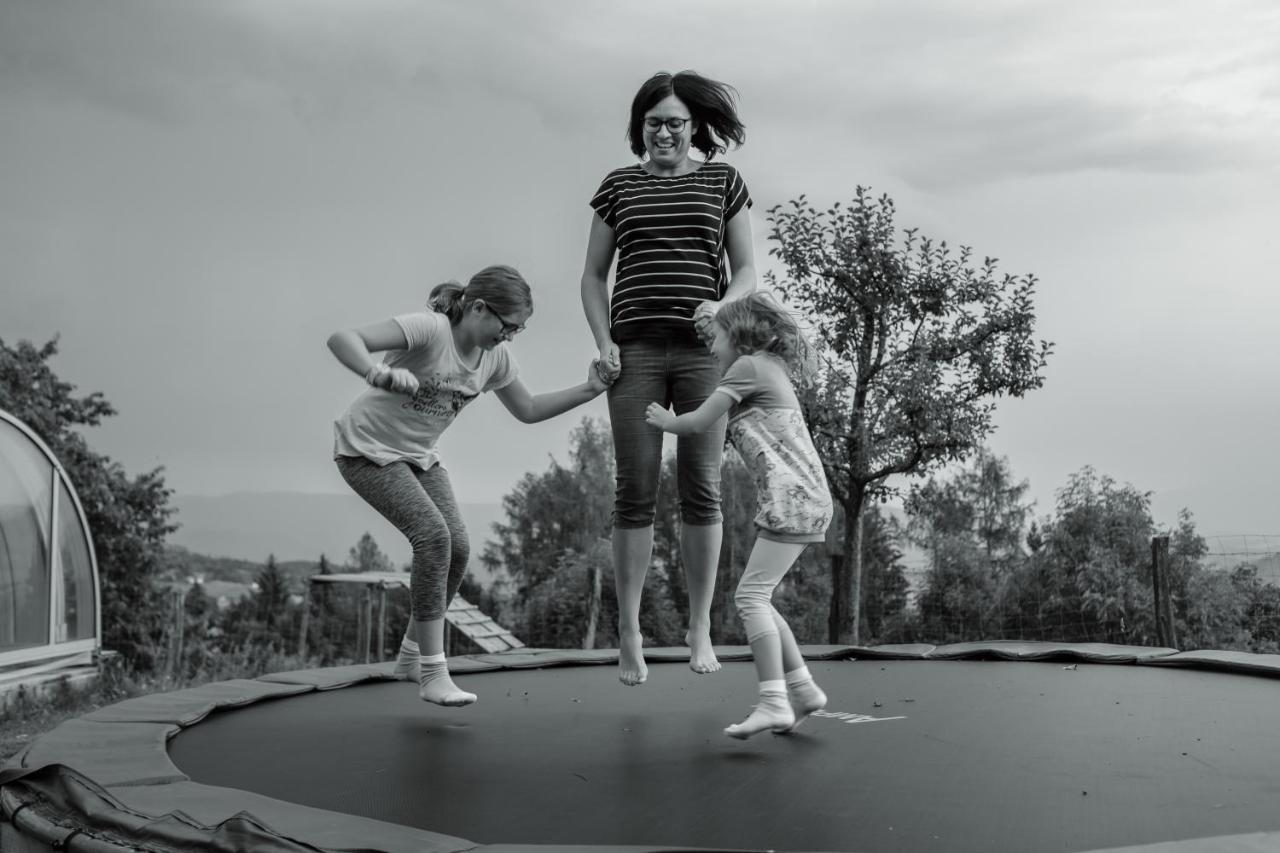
771 713
798 676
407 661
805 695
435 685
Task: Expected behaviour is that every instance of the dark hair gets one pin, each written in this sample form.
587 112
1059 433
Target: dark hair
710 103
759 323
501 287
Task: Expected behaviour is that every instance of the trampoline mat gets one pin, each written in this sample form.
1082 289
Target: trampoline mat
910 755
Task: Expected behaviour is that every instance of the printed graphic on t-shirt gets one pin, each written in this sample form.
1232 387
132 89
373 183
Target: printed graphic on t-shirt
438 397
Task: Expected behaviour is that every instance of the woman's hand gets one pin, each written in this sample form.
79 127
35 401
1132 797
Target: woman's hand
611 360
598 377
704 317
658 416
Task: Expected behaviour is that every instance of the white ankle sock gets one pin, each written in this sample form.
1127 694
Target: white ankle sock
799 675
771 713
407 660
805 695
435 685
778 687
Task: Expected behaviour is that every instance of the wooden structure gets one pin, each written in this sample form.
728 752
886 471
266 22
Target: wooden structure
463 618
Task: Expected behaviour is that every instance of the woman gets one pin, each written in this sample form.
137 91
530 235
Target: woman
673 221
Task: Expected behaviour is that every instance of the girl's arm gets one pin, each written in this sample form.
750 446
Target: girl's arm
355 348
699 420
601 243
533 408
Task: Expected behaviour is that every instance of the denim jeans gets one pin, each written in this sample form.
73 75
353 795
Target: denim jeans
678 375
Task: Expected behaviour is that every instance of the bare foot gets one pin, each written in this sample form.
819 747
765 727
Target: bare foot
631 666
702 657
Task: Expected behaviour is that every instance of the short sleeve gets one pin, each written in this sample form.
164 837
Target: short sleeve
419 327
605 199
505 369
736 196
741 380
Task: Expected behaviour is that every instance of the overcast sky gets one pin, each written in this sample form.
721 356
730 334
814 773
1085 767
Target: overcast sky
193 195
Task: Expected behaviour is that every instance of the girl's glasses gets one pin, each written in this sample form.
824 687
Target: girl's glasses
509 329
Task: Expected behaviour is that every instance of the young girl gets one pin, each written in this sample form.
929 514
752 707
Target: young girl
757 345
385 442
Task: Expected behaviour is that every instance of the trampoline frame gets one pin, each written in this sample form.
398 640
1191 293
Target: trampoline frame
104 782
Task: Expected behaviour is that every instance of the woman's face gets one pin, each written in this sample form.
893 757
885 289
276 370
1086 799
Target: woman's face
666 147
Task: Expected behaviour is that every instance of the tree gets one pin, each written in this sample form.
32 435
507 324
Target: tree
366 556
972 526
916 346
128 518
565 508
1090 581
271 596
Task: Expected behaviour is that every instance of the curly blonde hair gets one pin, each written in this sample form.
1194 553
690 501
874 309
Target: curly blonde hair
759 323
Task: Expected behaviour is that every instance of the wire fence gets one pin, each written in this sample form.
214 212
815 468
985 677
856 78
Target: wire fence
1262 551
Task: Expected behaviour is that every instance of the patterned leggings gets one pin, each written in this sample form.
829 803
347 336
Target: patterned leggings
422 507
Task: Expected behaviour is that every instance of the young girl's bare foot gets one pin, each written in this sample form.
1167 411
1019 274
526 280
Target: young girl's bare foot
631 666
702 656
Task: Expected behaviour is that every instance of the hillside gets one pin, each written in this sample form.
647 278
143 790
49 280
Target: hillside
299 527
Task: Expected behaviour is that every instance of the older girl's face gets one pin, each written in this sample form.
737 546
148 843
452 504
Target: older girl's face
668 147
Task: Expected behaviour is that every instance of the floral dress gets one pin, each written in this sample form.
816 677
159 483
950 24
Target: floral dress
768 430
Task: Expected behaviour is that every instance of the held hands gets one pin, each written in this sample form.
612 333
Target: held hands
659 417
610 361
704 317
395 379
598 379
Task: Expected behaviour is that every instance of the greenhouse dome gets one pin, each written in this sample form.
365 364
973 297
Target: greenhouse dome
50 625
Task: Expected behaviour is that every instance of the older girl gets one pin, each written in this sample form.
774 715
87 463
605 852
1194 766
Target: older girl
385 442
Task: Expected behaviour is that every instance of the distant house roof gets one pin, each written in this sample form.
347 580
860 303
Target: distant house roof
462 614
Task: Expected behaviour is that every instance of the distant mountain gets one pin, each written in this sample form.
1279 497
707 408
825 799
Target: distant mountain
296 526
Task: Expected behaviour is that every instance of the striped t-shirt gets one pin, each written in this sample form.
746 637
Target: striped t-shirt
670 238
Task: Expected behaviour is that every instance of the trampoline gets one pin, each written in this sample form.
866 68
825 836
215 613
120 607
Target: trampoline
1001 746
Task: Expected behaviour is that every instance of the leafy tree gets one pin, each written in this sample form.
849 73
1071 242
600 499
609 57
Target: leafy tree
1262 608
366 556
128 518
972 527
916 346
1091 579
555 537
565 508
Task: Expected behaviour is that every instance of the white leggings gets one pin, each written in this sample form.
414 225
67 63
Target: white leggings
768 562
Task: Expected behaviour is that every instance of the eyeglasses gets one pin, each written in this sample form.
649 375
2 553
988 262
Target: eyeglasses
509 329
674 125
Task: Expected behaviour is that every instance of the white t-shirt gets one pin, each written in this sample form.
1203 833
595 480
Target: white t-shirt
387 426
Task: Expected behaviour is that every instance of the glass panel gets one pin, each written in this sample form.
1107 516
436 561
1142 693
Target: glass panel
25 482
77 611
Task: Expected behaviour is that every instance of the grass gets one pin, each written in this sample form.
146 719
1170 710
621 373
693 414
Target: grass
28 716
